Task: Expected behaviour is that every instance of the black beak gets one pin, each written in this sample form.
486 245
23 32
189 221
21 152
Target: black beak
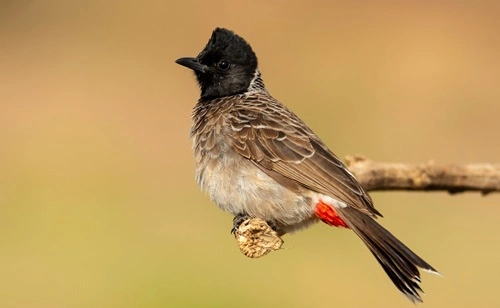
192 63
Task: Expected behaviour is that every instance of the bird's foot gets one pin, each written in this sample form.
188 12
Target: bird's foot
238 220
273 225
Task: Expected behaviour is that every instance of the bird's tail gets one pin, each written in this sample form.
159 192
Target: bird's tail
398 261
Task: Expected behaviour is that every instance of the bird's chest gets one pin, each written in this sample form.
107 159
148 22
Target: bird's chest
223 174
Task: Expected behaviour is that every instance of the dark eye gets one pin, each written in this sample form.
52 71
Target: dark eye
223 65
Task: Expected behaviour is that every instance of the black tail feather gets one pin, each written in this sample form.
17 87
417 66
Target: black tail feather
398 261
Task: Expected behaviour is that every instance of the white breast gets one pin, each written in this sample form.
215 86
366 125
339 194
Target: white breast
237 186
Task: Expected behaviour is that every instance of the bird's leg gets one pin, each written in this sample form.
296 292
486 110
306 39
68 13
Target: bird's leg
238 220
273 225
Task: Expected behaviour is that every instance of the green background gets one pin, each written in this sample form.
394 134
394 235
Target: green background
98 203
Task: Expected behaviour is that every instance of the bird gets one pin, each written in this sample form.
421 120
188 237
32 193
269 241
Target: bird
255 158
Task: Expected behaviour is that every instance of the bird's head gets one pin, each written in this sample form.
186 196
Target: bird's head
226 66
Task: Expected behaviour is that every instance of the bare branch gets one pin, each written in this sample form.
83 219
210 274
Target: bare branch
256 239
454 178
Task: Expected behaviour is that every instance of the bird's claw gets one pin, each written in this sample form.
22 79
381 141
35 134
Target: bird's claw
237 221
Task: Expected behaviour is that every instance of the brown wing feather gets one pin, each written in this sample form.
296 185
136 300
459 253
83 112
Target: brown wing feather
279 143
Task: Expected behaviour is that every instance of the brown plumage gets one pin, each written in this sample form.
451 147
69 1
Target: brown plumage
256 158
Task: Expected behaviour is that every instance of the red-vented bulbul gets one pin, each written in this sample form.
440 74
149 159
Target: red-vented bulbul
256 158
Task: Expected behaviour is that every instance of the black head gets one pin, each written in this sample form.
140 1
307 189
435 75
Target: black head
225 67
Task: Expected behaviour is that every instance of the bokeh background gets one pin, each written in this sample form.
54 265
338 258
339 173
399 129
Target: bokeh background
98 203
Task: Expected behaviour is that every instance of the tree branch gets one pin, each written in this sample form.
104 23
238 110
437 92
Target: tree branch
454 178
256 239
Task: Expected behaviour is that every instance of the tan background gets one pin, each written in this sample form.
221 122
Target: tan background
98 205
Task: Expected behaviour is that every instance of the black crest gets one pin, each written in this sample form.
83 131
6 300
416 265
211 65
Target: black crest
226 66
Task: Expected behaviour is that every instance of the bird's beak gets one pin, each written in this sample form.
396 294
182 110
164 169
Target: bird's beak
192 63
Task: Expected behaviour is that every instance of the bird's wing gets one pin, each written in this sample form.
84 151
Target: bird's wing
279 143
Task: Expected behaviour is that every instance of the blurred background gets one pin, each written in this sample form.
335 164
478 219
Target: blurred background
98 203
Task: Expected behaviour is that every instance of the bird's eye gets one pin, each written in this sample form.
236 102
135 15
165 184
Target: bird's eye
223 65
